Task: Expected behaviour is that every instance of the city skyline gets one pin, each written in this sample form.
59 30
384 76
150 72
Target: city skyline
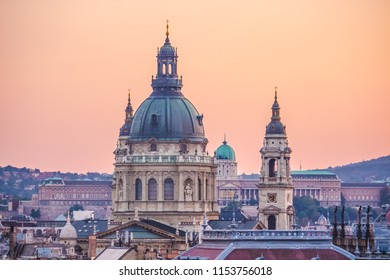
66 69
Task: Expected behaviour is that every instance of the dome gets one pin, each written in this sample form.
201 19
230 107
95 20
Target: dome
167 49
68 231
275 127
165 118
225 152
322 220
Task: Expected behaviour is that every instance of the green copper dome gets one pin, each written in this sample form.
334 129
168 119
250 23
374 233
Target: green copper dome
225 152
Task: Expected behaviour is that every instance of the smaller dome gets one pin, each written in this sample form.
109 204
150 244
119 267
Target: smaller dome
225 152
167 49
68 231
275 127
322 220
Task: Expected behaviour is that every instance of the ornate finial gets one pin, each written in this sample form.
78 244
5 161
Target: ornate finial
276 93
129 96
224 139
167 33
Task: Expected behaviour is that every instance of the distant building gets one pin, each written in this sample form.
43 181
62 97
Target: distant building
324 186
362 193
56 196
229 185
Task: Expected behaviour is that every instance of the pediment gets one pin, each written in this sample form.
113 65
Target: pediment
229 185
271 210
135 223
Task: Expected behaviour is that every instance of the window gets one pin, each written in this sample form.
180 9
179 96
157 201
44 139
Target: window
153 147
183 148
272 168
154 119
168 189
199 189
207 187
152 189
138 189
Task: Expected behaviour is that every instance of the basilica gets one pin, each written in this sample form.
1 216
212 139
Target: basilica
164 172
162 168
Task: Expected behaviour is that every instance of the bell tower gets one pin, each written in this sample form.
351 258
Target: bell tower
275 188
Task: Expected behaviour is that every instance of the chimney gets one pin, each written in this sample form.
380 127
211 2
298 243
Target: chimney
92 247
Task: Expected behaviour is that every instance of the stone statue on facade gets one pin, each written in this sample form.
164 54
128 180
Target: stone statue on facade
188 192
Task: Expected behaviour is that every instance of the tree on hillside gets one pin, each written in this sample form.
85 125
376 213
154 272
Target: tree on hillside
76 207
384 195
306 209
36 214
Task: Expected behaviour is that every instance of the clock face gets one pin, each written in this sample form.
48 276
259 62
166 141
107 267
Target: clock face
271 197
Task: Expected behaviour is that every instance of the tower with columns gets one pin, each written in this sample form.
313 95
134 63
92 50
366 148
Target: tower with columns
162 168
275 187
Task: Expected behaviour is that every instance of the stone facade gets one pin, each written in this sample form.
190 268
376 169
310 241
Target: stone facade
324 186
362 193
162 168
275 187
56 196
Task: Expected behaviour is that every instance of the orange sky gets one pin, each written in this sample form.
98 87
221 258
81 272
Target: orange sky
65 67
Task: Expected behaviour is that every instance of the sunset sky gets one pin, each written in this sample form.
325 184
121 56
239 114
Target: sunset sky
66 66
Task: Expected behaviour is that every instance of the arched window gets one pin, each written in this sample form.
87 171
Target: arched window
272 168
153 147
152 189
207 189
168 189
138 189
199 189
165 69
183 148
271 222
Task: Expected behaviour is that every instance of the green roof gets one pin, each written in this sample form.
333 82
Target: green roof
312 172
225 152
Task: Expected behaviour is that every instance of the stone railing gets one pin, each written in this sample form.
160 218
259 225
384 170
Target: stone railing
164 159
266 234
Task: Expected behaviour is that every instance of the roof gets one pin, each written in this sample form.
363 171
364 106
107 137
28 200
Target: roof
143 229
68 231
113 253
201 253
167 118
227 215
267 244
313 174
60 218
225 152
242 225
83 183
285 254
85 228
166 115
363 185
163 226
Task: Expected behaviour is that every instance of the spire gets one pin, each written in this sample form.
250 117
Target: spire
275 107
167 81
129 109
68 219
125 129
167 33
224 139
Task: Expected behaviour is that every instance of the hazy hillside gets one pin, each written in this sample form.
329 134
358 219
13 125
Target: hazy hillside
365 171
